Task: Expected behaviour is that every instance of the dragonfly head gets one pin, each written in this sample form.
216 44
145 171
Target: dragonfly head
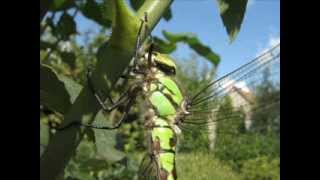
164 63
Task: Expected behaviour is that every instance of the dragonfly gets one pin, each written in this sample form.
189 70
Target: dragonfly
171 112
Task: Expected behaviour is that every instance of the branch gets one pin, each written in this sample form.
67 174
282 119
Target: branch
44 6
113 58
154 9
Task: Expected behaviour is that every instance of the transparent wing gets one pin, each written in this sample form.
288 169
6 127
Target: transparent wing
148 169
249 90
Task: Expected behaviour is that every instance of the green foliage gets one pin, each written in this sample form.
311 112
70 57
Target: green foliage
232 14
66 27
194 43
58 5
255 152
261 168
105 142
267 121
53 92
44 136
235 150
164 46
204 166
86 164
98 12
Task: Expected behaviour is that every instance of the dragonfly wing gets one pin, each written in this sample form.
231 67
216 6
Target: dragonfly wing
149 169
243 86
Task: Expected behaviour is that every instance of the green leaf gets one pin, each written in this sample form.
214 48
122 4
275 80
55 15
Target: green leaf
195 44
45 45
69 58
164 47
98 12
58 5
66 26
106 141
71 86
94 165
136 4
167 15
232 14
57 93
53 93
44 136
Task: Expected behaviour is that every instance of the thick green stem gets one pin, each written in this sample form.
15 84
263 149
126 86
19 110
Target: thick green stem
154 10
113 58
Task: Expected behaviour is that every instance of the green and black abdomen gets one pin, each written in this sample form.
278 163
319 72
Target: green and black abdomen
165 98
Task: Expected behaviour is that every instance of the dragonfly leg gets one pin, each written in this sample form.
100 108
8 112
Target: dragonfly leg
121 100
144 22
118 124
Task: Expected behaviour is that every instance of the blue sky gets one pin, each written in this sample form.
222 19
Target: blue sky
260 29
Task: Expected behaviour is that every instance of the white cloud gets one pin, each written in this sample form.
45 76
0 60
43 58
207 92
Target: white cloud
250 3
273 41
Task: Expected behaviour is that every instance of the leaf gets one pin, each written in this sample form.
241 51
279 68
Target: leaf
66 27
58 5
72 87
44 136
232 14
100 13
106 141
195 44
69 58
93 164
167 15
136 4
45 45
57 93
163 46
53 93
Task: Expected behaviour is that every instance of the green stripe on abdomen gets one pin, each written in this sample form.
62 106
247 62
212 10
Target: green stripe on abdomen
167 138
162 104
172 88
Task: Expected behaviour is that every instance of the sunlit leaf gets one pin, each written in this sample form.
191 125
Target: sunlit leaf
195 44
44 136
136 4
164 47
71 86
232 14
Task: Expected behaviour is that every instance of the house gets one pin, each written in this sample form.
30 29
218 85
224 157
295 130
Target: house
242 98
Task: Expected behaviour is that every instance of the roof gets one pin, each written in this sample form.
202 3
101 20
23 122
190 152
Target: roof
248 96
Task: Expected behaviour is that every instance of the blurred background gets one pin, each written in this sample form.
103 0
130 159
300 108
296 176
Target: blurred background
69 40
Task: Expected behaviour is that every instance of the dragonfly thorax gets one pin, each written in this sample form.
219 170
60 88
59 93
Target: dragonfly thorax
157 63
